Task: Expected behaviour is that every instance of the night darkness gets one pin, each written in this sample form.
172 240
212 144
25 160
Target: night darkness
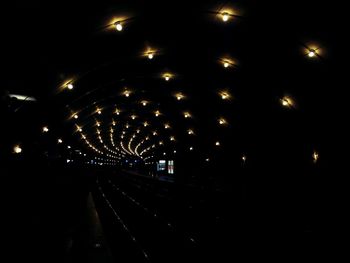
145 131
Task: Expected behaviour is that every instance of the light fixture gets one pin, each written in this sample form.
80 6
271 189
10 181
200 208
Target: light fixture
222 121
17 149
118 26
133 117
315 156
150 55
287 102
45 129
227 62
172 138
157 113
59 141
166 126
187 115
312 53
217 143
224 95
225 16
167 76
144 102
70 86
75 116
190 132
244 158
179 96
191 148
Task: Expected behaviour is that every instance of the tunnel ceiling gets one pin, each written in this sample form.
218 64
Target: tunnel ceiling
140 79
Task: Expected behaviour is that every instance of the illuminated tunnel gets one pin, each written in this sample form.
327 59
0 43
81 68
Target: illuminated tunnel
180 130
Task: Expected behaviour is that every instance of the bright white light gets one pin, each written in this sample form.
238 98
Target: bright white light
118 26
60 141
312 53
17 149
70 86
226 64
150 56
45 129
225 17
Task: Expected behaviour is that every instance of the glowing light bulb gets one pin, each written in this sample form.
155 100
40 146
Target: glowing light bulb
244 158
150 55
222 121
187 115
225 16
217 144
60 141
45 129
226 64
287 102
70 86
190 132
118 26
191 148
17 149
76 116
224 96
315 156
312 53
167 77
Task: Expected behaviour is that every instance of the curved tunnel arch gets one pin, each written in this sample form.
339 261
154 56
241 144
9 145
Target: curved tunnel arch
234 100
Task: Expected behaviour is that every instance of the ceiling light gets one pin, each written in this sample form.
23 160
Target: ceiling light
225 16
118 26
315 156
17 149
70 86
312 53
